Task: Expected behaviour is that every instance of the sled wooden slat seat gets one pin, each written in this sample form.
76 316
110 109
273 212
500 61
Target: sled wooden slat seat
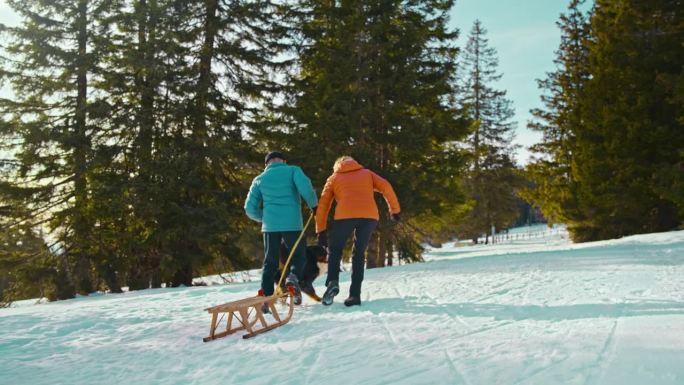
229 306
246 313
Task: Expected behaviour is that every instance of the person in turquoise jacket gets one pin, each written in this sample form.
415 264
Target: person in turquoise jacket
274 199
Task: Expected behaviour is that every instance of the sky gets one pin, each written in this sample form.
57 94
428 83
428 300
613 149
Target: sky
525 36
7 17
523 32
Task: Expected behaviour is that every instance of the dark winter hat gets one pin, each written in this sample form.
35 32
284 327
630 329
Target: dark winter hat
273 155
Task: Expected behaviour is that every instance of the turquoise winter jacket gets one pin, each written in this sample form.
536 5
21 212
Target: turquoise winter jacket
274 198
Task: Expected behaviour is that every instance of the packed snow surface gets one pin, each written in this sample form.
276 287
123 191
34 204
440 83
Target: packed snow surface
528 310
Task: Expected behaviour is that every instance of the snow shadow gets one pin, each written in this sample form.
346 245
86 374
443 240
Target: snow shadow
526 312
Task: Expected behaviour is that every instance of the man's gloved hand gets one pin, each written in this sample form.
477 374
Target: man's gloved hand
396 218
313 211
322 238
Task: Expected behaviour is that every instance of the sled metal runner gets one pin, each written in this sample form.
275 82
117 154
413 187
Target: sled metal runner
246 314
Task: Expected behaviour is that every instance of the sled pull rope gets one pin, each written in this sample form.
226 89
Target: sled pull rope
289 258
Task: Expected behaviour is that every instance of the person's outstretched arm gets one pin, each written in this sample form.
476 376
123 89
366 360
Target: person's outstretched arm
385 188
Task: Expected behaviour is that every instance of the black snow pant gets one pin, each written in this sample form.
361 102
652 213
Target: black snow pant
362 228
272 242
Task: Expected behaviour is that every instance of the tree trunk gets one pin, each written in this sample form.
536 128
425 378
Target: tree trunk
183 276
382 248
111 279
82 271
137 278
204 80
64 288
146 84
390 253
155 274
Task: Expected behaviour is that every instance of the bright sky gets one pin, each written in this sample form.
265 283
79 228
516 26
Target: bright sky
524 34
7 17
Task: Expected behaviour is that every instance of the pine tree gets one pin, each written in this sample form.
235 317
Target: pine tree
149 78
551 172
374 84
237 50
491 181
26 269
669 179
631 128
143 43
613 134
52 119
132 143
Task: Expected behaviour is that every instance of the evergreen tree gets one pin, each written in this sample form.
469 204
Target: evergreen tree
491 182
631 128
614 159
26 266
127 126
237 47
551 172
52 119
149 71
203 68
375 82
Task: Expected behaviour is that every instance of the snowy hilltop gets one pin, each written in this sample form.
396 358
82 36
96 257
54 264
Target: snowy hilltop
527 310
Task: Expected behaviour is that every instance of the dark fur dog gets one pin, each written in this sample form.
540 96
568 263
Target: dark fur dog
314 256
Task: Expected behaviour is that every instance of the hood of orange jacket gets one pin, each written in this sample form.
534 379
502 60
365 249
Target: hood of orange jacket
347 166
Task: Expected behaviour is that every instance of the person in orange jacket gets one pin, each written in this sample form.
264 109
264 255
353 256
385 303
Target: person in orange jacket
353 188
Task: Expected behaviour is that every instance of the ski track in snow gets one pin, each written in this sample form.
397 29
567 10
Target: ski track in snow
607 352
529 311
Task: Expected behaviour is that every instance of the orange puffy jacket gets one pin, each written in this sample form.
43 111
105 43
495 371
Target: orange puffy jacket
353 187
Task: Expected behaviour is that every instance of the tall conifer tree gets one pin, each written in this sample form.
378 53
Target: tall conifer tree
630 126
236 47
554 188
614 162
128 125
491 182
374 83
52 119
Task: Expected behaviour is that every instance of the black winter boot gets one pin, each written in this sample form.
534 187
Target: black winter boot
332 290
351 301
292 281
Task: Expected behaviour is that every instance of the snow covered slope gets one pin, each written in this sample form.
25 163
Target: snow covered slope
530 311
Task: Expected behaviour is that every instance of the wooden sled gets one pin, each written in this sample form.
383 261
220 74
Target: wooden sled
247 312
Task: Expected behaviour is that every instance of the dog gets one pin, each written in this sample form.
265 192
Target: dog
316 262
